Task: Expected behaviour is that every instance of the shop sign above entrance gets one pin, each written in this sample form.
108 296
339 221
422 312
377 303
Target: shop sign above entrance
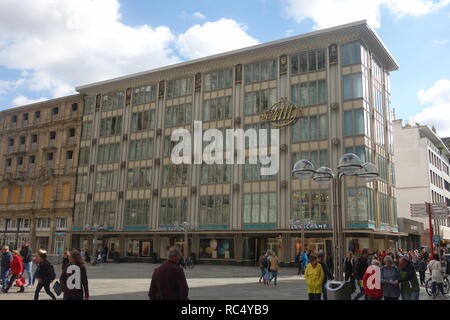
282 113
311 226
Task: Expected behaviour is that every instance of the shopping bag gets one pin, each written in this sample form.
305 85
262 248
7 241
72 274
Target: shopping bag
57 288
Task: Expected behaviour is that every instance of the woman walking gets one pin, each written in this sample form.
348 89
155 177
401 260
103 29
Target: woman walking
273 268
314 276
390 278
45 274
75 266
16 271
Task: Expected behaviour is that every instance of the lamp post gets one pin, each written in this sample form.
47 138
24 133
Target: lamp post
186 226
349 165
302 224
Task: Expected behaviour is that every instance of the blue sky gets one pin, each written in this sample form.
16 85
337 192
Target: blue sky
49 46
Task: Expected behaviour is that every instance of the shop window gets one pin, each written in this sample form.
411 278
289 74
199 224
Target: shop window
216 249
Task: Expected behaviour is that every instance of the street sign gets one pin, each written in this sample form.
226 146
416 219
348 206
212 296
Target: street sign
438 210
437 239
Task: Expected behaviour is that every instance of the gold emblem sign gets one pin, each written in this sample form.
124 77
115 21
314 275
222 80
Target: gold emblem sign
282 113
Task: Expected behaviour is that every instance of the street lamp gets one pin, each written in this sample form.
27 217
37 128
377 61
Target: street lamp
349 165
186 226
302 225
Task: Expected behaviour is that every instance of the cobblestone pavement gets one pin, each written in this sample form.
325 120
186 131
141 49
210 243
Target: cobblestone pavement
131 281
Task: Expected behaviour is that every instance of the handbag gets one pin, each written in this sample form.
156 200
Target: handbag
57 288
20 281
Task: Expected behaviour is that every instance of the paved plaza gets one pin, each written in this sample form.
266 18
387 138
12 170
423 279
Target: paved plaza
131 281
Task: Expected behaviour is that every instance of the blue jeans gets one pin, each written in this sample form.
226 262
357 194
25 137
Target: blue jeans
440 287
410 295
273 275
5 278
266 274
324 291
28 267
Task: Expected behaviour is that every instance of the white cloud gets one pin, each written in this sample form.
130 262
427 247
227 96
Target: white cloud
438 42
327 13
213 37
22 100
199 15
58 44
437 107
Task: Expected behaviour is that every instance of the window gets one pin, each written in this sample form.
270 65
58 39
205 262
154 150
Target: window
351 53
361 151
37 114
43 224
10 142
354 122
260 71
252 172
71 132
353 88
139 178
106 181
308 61
382 167
59 245
144 120
141 149
175 175
78 217
52 135
218 80
24 224
319 158
74 107
32 160
173 210
136 212
25 116
360 206
309 93
69 155
14 119
113 101
55 111
257 126
260 208
84 156
214 210
61 223
144 95
8 162
179 115
50 156
19 161
108 153
104 213
312 204
168 146
82 182
86 130
111 126
22 140
384 210
179 88
34 138
259 101
89 105
310 128
215 173
217 109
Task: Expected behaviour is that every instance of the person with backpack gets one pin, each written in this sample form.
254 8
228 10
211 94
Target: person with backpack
75 266
45 274
16 271
304 260
409 285
266 262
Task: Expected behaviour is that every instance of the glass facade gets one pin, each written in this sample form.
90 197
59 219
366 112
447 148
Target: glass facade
144 95
214 210
173 210
217 80
217 109
136 212
260 208
309 93
310 128
313 205
260 71
308 61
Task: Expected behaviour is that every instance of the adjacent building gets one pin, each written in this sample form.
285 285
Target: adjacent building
422 175
38 166
133 199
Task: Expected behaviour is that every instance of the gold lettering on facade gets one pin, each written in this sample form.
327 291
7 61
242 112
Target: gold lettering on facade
282 113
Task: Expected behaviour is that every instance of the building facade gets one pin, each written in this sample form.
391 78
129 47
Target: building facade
132 198
423 176
39 148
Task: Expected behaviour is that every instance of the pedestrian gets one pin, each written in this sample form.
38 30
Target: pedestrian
437 278
45 274
266 262
105 254
326 272
66 260
304 261
349 265
16 271
422 268
273 268
390 279
372 283
330 265
261 266
5 266
314 276
298 262
409 285
361 265
168 280
88 257
74 267
27 261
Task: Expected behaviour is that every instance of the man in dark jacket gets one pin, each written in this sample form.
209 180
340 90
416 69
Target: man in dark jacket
44 275
349 266
5 266
168 280
27 261
361 266
326 271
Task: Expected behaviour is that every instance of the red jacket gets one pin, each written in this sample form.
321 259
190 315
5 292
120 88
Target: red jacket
371 293
16 266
